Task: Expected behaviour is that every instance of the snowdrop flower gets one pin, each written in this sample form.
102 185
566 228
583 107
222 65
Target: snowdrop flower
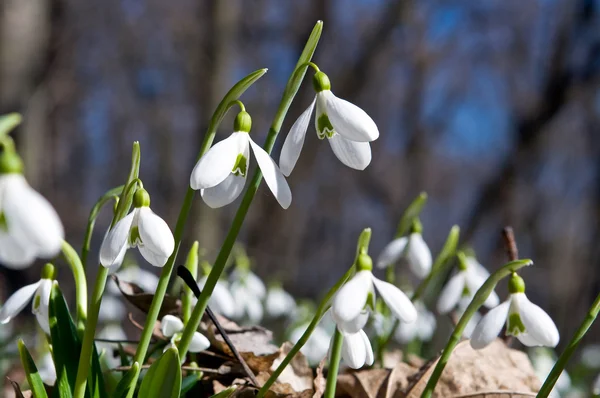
279 302
414 248
172 327
39 292
29 225
347 128
422 329
221 173
142 229
112 309
524 320
543 361
356 350
349 304
221 300
248 291
47 370
317 345
465 283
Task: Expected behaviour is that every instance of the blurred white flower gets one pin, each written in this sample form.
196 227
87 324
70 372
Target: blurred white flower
248 291
524 320
465 283
221 173
221 301
172 327
134 274
347 128
348 307
414 248
543 361
596 386
421 329
46 369
460 310
40 293
112 309
141 228
29 225
590 356
279 302
115 333
317 345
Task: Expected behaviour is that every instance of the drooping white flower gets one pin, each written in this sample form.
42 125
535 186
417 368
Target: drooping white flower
524 320
543 360
221 301
279 302
590 356
46 369
29 225
40 293
414 248
347 128
247 291
465 283
422 329
349 308
141 228
317 345
172 327
221 173
356 349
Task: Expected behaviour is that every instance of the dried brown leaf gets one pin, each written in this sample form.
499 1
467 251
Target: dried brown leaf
142 300
320 381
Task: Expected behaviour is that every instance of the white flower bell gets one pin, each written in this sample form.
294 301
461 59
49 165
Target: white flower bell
317 345
46 369
221 301
350 303
414 248
248 291
172 327
39 292
29 225
524 320
279 302
465 283
356 349
221 173
347 128
142 229
422 329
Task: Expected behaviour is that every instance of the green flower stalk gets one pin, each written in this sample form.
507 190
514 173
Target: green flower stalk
478 300
191 263
560 364
334 364
219 265
80 284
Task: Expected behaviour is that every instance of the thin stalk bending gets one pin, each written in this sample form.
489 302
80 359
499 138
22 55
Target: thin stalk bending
482 294
80 283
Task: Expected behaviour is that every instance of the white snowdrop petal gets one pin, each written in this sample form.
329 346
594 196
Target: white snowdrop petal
155 259
392 252
156 235
46 369
354 154
369 357
217 163
112 309
170 324
528 340
419 255
31 218
116 241
396 300
292 146
255 285
273 176
199 343
596 386
451 293
17 302
354 325
354 352
225 192
489 326
41 311
221 300
352 297
406 332
348 119
254 309
537 322
15 254
492 300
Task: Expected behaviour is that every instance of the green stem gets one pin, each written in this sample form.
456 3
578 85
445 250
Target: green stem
219 265
8 122
87 345
482 294
560 364
191 263
80 284
362 247
334 364
109 195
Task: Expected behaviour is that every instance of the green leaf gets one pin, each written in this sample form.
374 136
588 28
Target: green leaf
128 381
33 377
411 212
190 381
163 379
225 393
8 122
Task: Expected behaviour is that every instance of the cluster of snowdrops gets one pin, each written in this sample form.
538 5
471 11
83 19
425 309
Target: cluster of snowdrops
30 228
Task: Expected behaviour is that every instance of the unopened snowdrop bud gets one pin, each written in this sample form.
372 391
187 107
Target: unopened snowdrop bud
141 228
524 320
39 292
29 225
347 128
221 173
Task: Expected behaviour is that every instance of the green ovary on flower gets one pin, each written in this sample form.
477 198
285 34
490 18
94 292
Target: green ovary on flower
371 303
514 325
134 236
3 224
324 127
466 292
240 168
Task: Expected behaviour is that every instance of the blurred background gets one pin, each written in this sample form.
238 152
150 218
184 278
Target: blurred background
491 107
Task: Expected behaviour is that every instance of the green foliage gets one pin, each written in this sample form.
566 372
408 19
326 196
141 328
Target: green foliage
33 377
128 381
163 379
411 213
